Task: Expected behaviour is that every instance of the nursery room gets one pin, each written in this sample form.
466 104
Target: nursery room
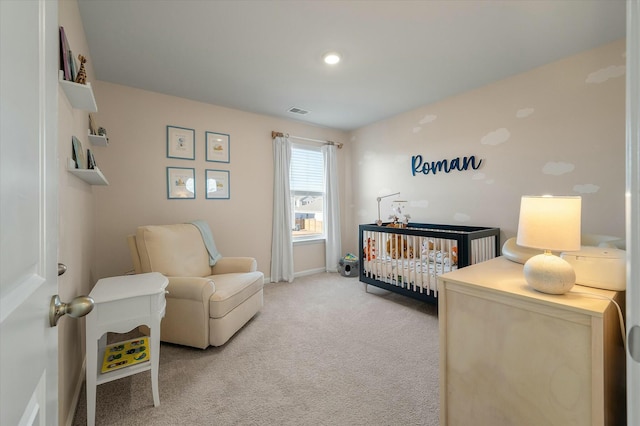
321 212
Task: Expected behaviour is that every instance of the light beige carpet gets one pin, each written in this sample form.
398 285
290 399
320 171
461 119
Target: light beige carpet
321 352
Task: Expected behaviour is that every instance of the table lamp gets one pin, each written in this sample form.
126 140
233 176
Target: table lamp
550 224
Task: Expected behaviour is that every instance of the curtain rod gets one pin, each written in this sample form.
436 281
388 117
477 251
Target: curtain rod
275 134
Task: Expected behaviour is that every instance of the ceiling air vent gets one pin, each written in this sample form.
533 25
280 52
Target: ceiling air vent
299 111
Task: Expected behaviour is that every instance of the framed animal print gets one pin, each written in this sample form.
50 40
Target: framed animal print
217 184
181 183
217 145
181 143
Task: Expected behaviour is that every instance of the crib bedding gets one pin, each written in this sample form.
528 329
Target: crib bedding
409 260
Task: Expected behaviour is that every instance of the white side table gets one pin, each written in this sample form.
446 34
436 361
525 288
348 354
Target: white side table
121 304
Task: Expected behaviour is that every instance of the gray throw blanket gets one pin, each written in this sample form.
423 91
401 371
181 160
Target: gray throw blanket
207 237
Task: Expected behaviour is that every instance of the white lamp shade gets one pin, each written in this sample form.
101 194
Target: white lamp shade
550 223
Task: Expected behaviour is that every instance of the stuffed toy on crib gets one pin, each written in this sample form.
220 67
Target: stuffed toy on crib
397 247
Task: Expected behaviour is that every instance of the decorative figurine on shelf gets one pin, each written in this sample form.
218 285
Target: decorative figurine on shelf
82 73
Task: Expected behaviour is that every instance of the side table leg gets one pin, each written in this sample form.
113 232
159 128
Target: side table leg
155 362
91 367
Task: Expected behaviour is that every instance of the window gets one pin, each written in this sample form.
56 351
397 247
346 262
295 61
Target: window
307 192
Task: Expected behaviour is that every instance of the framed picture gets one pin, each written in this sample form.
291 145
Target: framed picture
181 183
217 184
181 143
217 147
78 153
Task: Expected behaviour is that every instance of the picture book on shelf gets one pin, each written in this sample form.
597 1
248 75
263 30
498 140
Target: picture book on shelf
125 354
64 55
78 153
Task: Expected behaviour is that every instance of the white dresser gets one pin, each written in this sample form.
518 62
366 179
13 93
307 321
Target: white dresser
510 355
122 304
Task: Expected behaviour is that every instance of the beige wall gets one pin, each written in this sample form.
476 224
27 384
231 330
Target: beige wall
76 226
558 129
552 116
135 164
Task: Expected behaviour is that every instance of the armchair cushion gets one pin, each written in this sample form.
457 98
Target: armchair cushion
173 250
232 290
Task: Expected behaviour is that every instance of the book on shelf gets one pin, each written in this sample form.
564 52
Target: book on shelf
68 63
64 55
78 153
92 125
91 161
73 65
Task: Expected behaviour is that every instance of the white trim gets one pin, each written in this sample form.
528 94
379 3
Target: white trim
303 241
267 280
75 399
309 272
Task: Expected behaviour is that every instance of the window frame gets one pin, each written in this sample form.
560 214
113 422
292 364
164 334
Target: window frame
300 239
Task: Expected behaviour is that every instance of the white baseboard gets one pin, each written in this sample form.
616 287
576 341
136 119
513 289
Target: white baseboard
76 394
267 280
309 272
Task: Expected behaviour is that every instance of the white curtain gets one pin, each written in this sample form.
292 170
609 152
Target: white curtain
282 242
333 245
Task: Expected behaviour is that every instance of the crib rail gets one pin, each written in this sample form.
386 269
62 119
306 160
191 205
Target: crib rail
409 260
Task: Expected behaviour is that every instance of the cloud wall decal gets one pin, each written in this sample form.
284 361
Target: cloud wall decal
524 112
496 137
557 168
587 188
605 74
428 118
461 217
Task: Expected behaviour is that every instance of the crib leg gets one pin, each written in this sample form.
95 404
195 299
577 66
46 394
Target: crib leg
366 287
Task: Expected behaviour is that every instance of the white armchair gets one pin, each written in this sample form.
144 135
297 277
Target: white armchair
206 305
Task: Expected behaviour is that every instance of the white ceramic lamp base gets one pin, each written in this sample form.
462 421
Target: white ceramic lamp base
549 273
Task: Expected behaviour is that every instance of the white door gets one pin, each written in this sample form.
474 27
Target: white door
28 211
633 211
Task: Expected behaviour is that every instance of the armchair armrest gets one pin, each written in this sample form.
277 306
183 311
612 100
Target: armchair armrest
186 320
228 265
191 288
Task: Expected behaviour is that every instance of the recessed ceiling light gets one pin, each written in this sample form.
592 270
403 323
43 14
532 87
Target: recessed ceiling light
331 58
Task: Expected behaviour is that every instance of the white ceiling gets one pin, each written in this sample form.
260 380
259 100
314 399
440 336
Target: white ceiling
264 56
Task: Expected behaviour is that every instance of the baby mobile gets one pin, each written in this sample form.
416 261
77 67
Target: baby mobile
399 217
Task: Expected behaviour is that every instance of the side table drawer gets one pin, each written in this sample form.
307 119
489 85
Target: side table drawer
123 309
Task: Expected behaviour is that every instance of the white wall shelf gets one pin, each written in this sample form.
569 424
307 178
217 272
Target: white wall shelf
80 95
98 140
91 176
